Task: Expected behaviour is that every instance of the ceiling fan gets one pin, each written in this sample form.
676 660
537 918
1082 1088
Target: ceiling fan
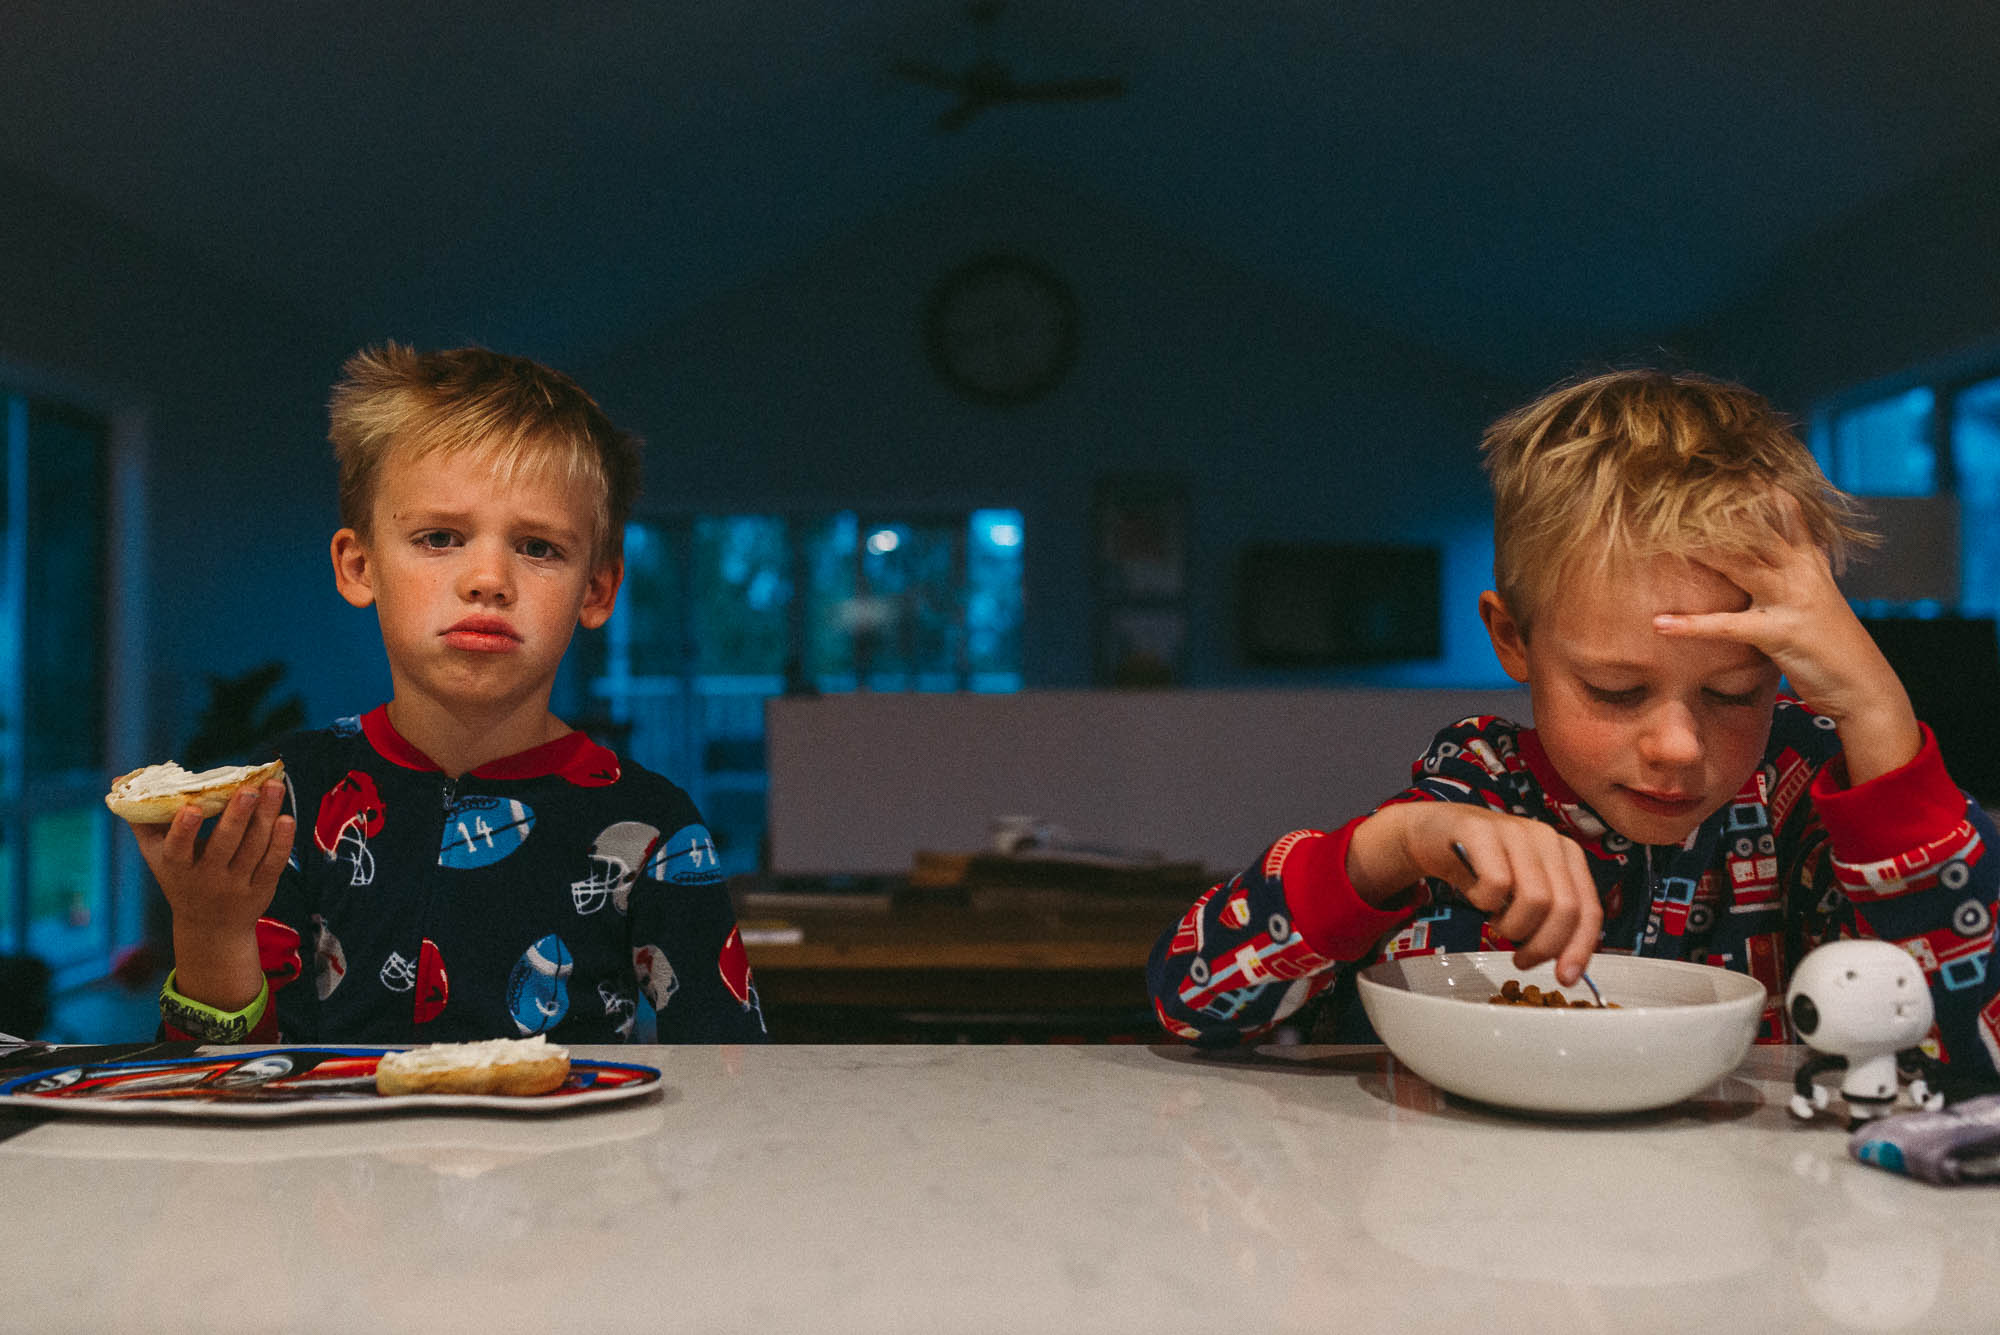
986 82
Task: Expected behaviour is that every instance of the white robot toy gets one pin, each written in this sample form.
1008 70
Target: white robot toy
1863 1006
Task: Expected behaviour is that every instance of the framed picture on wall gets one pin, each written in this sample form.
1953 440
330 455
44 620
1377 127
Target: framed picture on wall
1141 528
1142 646
1140 541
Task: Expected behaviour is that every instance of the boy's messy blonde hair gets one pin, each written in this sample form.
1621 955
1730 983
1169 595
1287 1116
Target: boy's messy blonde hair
1647 463
519 416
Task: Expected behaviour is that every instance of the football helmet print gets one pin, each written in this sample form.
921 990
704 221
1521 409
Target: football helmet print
616 856
619 1007
349 814
329 959
433 985
656 975
398 974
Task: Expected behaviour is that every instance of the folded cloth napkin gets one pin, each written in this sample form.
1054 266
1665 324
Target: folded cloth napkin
1960 1143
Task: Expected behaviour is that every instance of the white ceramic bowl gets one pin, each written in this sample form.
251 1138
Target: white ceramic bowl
1678 1028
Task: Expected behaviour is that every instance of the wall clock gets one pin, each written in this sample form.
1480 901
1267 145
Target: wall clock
1001 329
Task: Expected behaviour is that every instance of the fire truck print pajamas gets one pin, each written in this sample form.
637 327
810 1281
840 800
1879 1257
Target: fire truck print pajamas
542 893
1794 859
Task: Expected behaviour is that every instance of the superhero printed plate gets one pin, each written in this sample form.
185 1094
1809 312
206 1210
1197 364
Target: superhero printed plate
289 1082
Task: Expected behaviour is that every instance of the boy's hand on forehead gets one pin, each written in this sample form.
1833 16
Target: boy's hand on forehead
1801 621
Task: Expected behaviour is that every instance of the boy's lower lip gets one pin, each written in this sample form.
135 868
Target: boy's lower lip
1661 806
480 641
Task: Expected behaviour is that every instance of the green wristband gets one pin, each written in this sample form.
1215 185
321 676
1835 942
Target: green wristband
206 1022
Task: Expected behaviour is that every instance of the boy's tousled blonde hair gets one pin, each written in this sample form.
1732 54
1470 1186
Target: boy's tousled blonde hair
1646 463
519 416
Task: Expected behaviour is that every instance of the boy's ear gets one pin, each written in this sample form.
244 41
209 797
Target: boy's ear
353 573
600 596
1510 646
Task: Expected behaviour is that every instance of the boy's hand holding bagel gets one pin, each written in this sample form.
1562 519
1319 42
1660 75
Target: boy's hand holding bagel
220 883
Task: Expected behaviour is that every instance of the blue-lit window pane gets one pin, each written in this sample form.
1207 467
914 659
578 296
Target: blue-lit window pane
67 924
650 602
910 577
1884 448
53 608
741 591
646 634
1975 437
710 626
994 542
831 614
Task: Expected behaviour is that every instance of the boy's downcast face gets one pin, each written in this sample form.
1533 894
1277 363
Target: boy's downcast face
1656 734
479 585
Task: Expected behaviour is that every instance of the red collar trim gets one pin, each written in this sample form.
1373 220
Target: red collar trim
568 752
382 735
1544 769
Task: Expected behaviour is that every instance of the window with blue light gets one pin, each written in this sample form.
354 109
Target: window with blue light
740 595
993 601
1975 442
54 850
1937 438
719 613
1884 447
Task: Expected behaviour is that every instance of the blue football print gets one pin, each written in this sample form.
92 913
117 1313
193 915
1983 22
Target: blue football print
686 857
538 986
479 831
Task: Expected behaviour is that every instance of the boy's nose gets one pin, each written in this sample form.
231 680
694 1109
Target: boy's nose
1671 736
486 576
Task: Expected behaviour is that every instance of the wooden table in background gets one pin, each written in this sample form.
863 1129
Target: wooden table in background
979 963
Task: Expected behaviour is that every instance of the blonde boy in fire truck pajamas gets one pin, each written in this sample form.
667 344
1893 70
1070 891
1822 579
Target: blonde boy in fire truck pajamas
1665 550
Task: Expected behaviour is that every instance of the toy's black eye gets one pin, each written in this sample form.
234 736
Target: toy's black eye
1805 1015
1851 975
1902 981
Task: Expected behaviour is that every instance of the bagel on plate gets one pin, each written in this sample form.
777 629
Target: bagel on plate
519 1066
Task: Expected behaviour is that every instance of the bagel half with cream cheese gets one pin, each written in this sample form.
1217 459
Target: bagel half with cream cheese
155 795
518 1066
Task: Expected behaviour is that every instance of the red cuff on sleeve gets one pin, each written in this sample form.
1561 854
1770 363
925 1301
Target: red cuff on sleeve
1898 811
1335 921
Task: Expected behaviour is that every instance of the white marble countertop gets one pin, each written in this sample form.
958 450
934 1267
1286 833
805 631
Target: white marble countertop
1058 1188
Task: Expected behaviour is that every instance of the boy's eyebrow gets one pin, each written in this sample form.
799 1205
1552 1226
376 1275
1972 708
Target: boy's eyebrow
425 514
1754 661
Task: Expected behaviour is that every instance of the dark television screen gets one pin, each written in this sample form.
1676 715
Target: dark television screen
1334 604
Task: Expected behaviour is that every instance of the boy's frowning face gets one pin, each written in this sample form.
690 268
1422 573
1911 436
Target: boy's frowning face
479 584
1655 734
